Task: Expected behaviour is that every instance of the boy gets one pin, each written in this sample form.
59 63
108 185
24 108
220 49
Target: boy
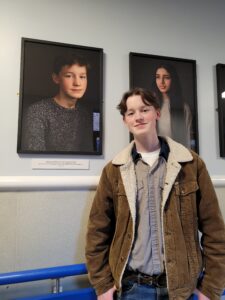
151 200
61 123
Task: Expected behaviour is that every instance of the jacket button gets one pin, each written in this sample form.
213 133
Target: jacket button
129 236
122 258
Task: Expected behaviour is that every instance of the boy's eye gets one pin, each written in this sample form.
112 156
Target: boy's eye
130 113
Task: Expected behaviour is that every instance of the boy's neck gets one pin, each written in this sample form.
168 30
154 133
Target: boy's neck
149 144
67 103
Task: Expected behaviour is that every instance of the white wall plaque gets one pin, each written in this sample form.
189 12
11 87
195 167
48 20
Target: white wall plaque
58 164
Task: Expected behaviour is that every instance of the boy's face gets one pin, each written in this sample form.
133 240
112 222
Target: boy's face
72 81
139 117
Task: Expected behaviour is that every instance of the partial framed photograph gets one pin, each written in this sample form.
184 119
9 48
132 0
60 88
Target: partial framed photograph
173 82
220 74
61 89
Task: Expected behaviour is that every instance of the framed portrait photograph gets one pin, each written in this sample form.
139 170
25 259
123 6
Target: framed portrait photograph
220 75
173 82
60 105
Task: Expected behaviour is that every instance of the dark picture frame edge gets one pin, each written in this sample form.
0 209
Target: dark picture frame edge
96 55
141 64
220 79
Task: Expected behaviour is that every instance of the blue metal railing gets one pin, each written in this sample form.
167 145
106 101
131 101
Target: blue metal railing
42 274
55 273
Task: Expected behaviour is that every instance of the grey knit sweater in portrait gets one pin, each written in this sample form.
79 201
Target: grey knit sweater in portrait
48 126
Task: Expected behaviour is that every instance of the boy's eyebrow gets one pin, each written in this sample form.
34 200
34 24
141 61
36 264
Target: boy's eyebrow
143 106
69 72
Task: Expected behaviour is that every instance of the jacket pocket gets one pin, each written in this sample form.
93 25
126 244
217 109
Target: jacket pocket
186 199
186 188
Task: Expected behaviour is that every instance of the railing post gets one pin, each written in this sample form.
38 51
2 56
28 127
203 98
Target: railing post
57 288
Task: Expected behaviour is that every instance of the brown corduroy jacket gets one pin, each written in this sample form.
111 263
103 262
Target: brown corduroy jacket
189 205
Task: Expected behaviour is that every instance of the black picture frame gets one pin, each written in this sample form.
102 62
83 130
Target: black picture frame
143 74
220 76
81 133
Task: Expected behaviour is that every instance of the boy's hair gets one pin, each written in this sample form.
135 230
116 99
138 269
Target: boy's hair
69 60
147 97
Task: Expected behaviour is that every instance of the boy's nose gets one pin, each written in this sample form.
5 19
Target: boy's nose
139 116
76 81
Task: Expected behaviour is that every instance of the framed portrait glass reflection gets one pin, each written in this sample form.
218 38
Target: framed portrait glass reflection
173 82
60 107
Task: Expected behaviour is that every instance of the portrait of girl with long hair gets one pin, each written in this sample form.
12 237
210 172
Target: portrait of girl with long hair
176 117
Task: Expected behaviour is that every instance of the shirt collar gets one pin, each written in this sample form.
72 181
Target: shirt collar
164 151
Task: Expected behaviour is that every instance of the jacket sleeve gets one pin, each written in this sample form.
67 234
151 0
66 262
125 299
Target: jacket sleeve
211 225
100 232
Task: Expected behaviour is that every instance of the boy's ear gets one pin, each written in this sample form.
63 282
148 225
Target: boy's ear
55 78
158 114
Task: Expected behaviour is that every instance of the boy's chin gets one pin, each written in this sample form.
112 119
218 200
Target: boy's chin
140 134
77 96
